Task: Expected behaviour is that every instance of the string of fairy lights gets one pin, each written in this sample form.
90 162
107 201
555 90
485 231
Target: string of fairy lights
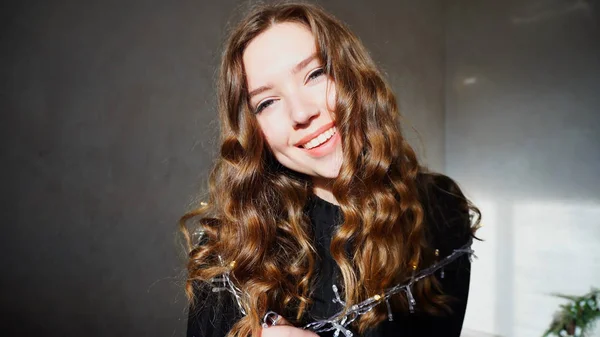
340 322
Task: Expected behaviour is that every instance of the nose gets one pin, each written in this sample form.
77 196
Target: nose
302 111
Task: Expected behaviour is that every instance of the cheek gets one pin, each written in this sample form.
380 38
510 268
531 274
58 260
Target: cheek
331 96
274 136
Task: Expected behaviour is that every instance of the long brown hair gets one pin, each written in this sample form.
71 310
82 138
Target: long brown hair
254 224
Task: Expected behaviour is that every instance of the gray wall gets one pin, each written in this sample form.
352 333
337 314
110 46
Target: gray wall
522 136
107 132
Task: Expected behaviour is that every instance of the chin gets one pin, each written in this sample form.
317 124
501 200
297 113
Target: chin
329 173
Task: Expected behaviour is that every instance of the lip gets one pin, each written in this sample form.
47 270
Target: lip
310 136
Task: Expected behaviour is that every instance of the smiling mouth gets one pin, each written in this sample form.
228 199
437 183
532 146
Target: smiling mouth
320 139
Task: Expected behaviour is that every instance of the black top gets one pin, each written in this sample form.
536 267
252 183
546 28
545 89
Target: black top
447 229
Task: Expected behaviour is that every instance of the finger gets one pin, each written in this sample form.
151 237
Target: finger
272 318
286 331
276 325
282 321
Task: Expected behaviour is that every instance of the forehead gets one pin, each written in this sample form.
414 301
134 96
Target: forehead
276 51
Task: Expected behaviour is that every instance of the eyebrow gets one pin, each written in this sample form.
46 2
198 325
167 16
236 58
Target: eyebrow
303 63
298 67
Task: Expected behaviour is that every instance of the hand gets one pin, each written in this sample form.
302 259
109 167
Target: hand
284 329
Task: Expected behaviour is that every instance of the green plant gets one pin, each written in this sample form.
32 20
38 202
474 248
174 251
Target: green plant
577 317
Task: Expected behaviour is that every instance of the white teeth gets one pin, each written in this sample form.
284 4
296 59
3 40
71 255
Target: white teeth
320 139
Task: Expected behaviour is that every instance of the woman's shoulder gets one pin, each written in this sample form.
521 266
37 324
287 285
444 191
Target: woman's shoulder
446 212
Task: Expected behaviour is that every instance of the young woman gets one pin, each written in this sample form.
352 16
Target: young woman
319 218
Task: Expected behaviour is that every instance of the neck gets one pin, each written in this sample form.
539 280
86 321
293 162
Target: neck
322 189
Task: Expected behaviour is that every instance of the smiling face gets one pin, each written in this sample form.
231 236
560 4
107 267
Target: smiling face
293 100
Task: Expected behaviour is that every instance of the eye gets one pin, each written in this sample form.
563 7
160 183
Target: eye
263 105
315 74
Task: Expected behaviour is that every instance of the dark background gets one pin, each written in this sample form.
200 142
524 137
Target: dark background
108 131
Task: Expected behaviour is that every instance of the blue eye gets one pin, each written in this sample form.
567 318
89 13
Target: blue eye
264 105
315 74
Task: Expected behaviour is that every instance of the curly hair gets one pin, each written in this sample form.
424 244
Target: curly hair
254 224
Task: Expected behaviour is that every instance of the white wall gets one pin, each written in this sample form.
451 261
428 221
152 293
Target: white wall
523 139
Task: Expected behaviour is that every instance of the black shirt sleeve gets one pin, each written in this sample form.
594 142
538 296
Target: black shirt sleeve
448 228
420 324
212 314
454 284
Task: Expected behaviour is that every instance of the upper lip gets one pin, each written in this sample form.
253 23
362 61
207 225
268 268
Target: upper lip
314 134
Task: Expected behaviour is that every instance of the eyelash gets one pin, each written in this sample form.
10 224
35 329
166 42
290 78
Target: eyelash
314 75
318 72
264 105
